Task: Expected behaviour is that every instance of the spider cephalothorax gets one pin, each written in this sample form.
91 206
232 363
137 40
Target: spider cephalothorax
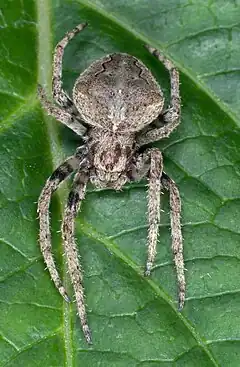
110 157
115 101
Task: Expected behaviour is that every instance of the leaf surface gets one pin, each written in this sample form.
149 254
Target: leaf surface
134 320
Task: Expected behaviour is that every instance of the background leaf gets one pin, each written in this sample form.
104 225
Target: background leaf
134 320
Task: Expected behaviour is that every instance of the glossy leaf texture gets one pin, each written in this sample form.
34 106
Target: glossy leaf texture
134 320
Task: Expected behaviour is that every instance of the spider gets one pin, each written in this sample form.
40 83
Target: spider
115 106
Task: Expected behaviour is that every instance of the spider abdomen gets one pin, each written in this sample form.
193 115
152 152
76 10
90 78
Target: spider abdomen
118 93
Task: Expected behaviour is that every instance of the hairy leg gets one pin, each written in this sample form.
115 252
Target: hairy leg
58 93
151 163
177 240
71 121
171 116
59 175
75 271
154 191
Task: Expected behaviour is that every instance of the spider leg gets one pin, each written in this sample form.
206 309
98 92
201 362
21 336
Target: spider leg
59 175
72 121
75 198
151 163
59 95
171 116
154 191
177 240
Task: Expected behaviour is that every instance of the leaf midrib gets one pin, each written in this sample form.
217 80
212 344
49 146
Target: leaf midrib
44 77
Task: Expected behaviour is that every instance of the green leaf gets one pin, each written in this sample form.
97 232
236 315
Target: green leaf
134 320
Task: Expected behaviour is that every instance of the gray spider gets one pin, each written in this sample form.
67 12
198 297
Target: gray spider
115 100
